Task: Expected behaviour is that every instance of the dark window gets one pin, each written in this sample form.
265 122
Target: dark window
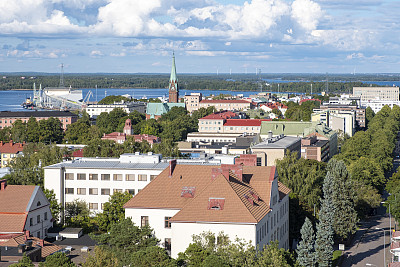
105 177
81 176
30 221
93 176
167 243
167 223
45 216
145 221
69 176
38 219
69 190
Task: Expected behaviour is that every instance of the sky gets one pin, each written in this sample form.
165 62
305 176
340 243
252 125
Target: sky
207 36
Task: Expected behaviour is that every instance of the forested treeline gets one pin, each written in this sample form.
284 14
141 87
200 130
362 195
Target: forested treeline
186 81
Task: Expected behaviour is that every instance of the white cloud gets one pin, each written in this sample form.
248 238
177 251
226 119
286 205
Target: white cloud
96 53
121 54
306 13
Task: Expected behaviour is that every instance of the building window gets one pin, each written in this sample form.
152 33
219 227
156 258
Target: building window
45 216
167 243
105 177
69 176
117 190
152 177
145 221
130 177
30 221
93 176
38 219
167 223
81 191
117 177
105 191
131 191
81 176
69 191
93 191
93 206
142 177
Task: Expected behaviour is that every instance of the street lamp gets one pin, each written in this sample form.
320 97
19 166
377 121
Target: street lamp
384 243
390 218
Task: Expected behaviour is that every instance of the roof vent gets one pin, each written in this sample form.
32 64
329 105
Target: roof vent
188 191
216 203
254 195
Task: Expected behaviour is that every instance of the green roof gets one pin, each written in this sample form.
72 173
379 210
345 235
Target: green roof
296 128
158 109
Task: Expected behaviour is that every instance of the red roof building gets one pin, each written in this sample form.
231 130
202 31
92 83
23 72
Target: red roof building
23 208
305 100
8 151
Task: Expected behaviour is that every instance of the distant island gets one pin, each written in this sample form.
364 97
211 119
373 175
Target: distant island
233 82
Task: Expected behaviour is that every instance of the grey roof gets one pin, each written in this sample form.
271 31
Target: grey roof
284 142
108 164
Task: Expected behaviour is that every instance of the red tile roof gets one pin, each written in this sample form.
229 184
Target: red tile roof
11 148
245 199
47 249
394 264
77 153
226 114
14 201
244 122
225 101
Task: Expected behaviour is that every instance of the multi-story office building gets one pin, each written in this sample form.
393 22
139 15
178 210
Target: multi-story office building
377 93
95 179
94 110
360 112
192 101
7 118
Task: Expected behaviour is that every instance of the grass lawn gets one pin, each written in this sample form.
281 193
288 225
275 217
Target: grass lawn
336 256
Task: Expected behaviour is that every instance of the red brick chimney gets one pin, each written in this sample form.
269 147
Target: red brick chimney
3 184
172 164
27 234
41 243
1 143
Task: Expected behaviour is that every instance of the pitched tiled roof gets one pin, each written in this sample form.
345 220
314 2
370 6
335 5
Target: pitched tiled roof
226 114
11 148
15 198
36 114
12 223
165 192
244 122
47 249
225 101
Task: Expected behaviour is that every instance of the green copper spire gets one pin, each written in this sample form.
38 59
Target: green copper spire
173 70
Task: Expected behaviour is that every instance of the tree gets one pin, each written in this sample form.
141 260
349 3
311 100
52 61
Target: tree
342 197
113 210
55 206
369 115
58 259
80 131
25 261
124 238
18 131
111 99
50 131
32 130
305 248
272 256
324 237
108 122
152 256
368 171
101 257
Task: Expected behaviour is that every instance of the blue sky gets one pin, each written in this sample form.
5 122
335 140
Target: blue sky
131 36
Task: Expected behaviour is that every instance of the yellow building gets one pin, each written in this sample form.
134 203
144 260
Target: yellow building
8 151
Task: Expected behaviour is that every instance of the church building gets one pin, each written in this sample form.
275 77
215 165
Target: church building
173 84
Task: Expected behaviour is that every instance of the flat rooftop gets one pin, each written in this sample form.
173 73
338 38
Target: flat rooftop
283 142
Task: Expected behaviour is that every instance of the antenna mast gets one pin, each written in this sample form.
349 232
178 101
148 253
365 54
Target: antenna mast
62 75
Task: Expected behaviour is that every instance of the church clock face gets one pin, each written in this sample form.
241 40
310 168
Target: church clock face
172 87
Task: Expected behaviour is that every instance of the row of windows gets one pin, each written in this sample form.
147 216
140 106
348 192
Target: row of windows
5 121
95 191
144 221
107 177
37 219
211 122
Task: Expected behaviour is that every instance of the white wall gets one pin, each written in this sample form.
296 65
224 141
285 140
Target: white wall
54 179
156 220
35 210
182 233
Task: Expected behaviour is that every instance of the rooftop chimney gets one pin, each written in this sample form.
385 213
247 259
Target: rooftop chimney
27 234
270 134
41 243
172 164
3 184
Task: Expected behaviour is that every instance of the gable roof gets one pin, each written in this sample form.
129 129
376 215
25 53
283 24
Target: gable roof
16 198
12 223
219 115
245 122
166 192
10 147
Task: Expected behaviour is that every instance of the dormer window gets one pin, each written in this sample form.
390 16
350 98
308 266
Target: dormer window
216 203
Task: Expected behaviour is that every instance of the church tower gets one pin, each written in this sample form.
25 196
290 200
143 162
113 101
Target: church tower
173 83
128 127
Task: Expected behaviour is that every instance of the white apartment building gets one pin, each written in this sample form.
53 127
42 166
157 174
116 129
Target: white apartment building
247 202
96 109
95 179
377 93
377 105
192 101
337 120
